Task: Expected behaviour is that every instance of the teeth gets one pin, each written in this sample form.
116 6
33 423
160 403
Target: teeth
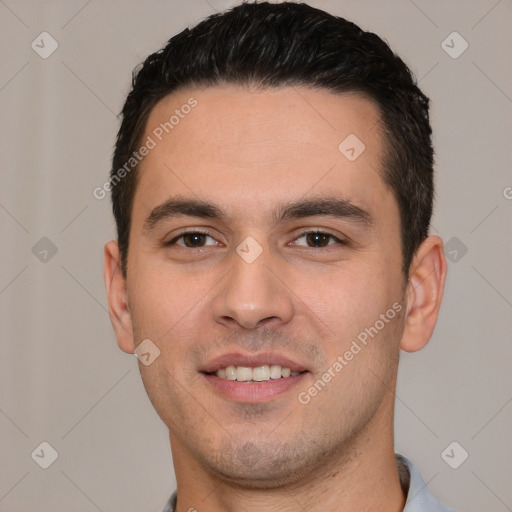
243 373
230 373
256 374
260 373
275 371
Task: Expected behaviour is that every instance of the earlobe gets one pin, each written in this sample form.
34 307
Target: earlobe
118 307
424 294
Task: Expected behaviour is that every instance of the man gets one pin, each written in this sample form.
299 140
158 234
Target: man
272 186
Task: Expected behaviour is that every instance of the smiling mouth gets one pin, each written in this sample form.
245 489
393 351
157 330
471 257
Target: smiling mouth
263 373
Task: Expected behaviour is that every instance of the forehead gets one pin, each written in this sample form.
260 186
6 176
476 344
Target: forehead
251 148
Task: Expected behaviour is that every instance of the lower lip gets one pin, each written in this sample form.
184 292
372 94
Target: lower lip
253 392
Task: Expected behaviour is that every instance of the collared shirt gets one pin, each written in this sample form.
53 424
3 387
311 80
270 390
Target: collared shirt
419 498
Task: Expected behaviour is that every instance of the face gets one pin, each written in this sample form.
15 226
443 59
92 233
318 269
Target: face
284 249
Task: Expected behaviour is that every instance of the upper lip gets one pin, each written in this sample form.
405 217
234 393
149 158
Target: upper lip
251 360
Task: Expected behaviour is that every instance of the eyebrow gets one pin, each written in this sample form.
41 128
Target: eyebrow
340 208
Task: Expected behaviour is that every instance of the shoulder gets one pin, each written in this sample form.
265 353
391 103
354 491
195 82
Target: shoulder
419 497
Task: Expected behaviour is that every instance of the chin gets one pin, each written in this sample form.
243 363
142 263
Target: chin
264 467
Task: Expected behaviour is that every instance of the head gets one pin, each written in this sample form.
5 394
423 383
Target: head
264 124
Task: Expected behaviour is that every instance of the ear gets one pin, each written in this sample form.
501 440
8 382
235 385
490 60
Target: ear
424 293
117 298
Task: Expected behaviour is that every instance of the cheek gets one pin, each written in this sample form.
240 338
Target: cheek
363 315
346 301
162 299
162 306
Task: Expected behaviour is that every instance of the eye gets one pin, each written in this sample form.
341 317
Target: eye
319 239
191 240
198 239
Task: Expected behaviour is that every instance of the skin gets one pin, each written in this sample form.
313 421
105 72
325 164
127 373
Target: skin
247 150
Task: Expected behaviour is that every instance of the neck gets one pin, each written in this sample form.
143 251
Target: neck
361 478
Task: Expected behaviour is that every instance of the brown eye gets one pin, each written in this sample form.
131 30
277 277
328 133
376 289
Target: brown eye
191 240
319 239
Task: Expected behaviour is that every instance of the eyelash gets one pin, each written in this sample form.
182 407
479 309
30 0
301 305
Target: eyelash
175 239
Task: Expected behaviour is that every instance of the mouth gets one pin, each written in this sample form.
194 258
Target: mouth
263 373
253 379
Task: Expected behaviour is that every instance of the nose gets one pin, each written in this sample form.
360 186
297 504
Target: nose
254 294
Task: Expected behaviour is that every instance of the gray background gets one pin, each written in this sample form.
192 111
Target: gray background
62 378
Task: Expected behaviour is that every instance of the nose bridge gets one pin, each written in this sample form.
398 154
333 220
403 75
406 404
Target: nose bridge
251 292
